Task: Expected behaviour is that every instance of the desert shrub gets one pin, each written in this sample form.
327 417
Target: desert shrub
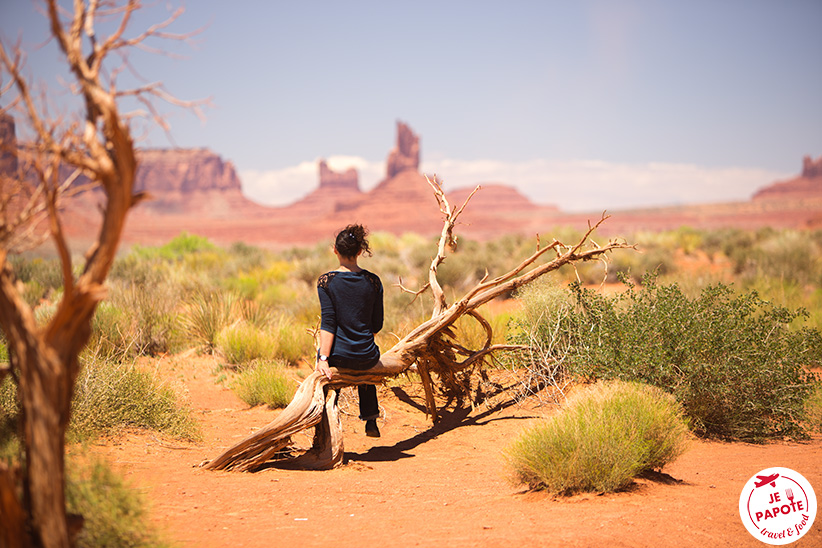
813 408
543 324
255 314
109 396
605 437
135 322
241 343
789 255
738 364
48 273
311 267
247 257
114 512
205 314
279 296
294 343
154 317
264 382
177 248
111 337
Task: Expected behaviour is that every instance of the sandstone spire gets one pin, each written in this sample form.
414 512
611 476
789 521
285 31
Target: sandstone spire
406 155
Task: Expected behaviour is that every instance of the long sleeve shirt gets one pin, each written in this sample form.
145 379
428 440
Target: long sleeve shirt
352 309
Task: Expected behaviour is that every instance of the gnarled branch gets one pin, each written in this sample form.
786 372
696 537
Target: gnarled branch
430 346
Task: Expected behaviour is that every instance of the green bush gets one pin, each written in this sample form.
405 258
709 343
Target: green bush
294 343
737 363
605 437
264 383
813 408
206 314
788 255
242 343
114 512
109 396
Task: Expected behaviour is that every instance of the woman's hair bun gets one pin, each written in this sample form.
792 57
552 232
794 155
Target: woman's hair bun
352 240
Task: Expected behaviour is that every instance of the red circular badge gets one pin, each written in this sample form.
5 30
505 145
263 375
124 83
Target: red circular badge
777 506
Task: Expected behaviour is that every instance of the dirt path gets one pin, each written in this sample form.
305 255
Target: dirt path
424 486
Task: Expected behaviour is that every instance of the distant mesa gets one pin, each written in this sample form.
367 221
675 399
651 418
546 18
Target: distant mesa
163 170
809 183
347 180
191 182
336 189
197 191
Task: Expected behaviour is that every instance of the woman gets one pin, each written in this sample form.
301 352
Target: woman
351 300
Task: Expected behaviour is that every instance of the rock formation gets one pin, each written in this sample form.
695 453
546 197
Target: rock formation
406 155
184 171
809 183
337 190
198 192
330 179
191 181
811 168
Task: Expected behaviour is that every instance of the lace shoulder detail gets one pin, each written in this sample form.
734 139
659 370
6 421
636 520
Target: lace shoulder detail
374 280
325 279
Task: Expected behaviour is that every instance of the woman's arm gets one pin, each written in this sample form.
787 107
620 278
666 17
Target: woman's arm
377 315
326 343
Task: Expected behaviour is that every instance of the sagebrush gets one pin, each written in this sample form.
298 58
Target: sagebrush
604 437
740 365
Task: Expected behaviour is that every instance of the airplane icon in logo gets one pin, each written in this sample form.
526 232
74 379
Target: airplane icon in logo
764 480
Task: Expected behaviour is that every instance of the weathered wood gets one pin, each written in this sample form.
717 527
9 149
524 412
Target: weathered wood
100 146
430 346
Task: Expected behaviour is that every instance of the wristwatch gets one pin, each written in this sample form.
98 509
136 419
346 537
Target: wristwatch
323 358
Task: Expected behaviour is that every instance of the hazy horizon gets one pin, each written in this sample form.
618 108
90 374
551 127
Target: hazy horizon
585 105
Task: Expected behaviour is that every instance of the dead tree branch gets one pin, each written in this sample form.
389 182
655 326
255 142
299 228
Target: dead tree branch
430 346
99 147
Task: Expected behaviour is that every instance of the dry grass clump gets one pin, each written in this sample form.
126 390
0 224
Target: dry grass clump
264 383
114 512
110 396
605 437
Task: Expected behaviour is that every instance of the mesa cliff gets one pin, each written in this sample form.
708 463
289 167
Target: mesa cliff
193 182
197 191
808 183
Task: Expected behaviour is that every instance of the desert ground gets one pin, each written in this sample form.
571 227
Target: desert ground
427 485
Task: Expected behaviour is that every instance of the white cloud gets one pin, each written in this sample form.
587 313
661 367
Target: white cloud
579 185
285 186
586 185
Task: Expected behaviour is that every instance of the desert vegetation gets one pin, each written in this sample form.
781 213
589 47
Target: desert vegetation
736 355
606 435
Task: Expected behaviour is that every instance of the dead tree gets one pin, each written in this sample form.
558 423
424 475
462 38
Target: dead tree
430 348
97 148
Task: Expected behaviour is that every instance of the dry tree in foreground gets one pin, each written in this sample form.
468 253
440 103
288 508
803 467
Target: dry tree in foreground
98 149
429 348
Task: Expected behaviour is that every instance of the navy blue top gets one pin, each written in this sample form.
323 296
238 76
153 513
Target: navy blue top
352 309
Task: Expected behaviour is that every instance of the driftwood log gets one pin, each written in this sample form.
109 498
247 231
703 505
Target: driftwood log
428 349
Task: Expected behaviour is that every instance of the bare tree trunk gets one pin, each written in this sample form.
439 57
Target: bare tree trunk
44 361
430 346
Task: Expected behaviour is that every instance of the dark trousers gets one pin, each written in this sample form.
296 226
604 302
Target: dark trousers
369 406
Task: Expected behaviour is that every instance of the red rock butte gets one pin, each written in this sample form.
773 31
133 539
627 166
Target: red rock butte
196 191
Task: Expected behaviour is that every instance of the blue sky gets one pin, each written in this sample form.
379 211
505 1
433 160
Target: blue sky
589 105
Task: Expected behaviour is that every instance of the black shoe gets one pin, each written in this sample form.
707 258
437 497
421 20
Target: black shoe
371 429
